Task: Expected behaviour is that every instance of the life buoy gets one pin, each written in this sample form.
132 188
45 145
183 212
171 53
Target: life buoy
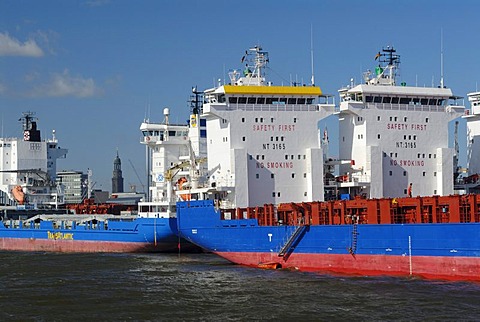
147 138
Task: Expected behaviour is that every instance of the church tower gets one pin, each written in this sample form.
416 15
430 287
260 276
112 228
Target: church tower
117 179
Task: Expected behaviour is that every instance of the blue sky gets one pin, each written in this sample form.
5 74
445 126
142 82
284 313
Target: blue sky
94 69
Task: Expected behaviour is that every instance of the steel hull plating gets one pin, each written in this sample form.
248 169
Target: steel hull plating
444 251
139 235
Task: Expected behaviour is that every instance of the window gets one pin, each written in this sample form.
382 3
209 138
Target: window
278 194
232 100
369 99
390 173
377 99
243 120
294 120
404 100
292 101
257 176
252 100
404 173
242 100
273 194
378 118
243 139
293 175
272 175
395 100
426 120
261 100
435 174
378 136
304 175
424 173
387 99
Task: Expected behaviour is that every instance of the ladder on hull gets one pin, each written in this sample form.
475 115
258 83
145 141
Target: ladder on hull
288 245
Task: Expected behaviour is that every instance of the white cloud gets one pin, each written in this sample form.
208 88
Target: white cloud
12 47
66 85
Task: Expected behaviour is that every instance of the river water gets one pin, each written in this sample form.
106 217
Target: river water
204 287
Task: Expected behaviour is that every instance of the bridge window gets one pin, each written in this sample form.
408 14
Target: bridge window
252 100
292 101
242 100
261 100
232 100
301 101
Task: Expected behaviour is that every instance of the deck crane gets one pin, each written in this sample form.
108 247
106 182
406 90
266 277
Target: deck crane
194 172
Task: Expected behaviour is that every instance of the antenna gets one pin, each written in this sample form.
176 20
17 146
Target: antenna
311 53
441 58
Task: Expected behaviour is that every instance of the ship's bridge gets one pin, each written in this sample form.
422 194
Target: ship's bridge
163 133
405 98
266 98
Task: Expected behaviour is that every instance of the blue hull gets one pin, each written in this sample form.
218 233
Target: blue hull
449 251
137 235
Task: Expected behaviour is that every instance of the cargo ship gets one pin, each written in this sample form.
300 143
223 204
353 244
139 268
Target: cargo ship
385 206
34 217
86 233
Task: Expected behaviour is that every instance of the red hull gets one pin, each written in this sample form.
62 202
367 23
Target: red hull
445 268
75 246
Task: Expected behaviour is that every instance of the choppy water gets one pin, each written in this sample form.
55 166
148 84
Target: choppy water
203 287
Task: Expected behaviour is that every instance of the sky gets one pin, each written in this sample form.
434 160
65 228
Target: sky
93 70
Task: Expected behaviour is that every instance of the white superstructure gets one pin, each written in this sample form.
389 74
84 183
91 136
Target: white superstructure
263 140
175 161
30 164
395 135
471 182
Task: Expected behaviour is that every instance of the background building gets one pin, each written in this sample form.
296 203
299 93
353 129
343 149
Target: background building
117 179
75 184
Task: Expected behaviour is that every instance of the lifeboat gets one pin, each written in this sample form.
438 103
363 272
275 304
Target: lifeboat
180 183
18 194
